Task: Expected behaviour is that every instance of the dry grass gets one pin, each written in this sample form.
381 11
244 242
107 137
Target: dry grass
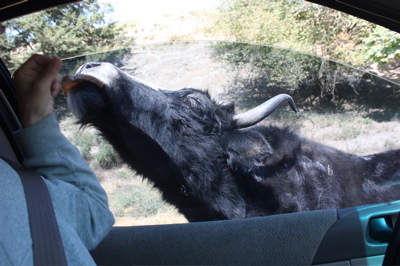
352 133
190 26
132 199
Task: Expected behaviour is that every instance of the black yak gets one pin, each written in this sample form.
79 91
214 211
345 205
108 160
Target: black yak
214 164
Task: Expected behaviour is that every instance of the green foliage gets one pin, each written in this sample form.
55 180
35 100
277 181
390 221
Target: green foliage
257 21
94 147
313 80
106 155
349 132
296 25
134 196
135 199
84 140
280 65
383 45
390 145
331 33
65 31
317 82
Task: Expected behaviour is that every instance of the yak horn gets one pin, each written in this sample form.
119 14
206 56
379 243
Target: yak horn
255 115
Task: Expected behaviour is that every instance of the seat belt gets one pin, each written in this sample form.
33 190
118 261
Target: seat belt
47 244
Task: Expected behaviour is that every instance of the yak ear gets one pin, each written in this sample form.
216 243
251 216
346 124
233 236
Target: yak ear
246 150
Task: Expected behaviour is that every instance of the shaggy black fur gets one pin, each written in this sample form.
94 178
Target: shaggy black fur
189 147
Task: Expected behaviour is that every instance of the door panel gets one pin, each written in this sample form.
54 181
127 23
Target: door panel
281 239
359 233
319 237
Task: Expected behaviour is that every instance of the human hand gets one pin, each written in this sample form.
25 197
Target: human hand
37 82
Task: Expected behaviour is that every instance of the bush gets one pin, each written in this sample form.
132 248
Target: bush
383 45
296 25
83 140
106 156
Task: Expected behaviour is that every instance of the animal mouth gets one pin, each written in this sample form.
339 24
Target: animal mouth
71 81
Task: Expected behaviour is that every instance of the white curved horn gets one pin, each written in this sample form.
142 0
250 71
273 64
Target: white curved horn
255 115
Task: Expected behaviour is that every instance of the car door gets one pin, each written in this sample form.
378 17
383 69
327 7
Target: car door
352 236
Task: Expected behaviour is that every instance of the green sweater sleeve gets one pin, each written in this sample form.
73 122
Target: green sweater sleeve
80 202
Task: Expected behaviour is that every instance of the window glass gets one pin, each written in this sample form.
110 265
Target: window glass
341 106
342 72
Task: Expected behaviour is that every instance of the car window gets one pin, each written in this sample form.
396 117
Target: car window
344 100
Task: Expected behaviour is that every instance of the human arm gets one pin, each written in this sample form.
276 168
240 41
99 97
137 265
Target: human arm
76 193
75 190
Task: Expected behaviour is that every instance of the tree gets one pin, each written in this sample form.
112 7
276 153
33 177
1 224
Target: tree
258 21
65 31
332 34
295 24
383 45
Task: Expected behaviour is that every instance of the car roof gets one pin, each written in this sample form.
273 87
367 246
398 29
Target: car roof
382 12
10 9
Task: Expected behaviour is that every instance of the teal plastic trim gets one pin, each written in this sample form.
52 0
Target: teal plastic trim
349 237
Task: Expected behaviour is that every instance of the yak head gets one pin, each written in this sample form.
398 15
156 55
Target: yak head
96 88
181 140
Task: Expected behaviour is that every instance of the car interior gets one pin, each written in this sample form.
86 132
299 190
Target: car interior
361 235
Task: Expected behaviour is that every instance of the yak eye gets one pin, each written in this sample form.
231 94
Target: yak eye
195 104
193 100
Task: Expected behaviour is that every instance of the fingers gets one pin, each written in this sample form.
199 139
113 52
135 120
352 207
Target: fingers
38 71
56 86
32 67
51 70
50 75
37 83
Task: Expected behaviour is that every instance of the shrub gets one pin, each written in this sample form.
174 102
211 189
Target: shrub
106 156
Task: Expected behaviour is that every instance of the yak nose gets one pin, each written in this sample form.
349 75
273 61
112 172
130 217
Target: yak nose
92 65
87 66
